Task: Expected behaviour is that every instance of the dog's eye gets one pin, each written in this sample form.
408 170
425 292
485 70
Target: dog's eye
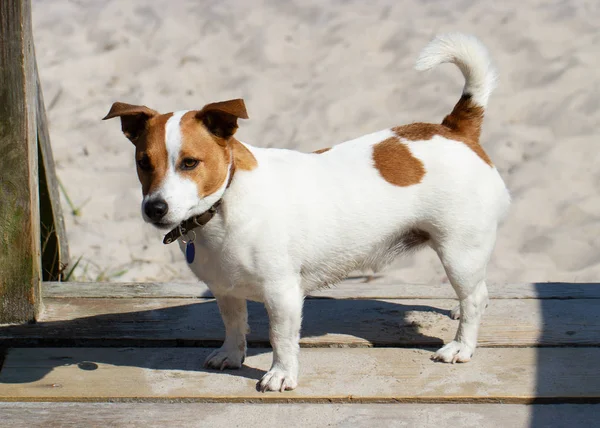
144 163
189 163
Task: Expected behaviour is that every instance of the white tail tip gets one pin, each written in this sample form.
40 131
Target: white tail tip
470 56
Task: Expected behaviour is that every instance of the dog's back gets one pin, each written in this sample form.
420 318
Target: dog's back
359 204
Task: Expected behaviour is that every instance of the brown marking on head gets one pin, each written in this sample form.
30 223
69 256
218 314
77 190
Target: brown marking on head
318 152
152 159
206 139
145 128
463 124
243 159
396 164
210 151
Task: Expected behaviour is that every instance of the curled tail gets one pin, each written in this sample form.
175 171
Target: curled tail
470 56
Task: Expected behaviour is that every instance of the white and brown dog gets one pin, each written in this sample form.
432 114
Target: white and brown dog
270 225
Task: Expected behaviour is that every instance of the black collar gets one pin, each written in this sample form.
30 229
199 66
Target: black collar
191 223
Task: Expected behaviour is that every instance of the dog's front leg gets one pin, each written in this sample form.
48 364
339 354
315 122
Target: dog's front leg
235 317
284 305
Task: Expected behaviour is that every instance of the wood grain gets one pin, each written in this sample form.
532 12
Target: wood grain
19 215
518 375
350 289
54 245
192 415
326 323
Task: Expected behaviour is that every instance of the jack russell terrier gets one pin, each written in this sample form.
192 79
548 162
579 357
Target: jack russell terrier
270 225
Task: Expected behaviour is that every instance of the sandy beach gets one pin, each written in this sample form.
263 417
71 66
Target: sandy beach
315 73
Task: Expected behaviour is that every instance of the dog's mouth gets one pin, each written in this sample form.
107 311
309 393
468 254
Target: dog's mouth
164 225
179 229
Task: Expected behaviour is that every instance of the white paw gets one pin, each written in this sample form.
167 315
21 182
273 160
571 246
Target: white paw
277 380
455 312
225 358
454 352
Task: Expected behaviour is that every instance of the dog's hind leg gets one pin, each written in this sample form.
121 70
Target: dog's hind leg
235 317
465 259
455 312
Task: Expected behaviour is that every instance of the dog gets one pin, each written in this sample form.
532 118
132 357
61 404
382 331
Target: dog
270 225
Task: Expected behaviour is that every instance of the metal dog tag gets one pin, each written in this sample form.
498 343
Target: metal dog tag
190 252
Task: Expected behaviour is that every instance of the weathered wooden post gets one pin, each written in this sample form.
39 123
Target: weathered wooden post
20 261
55 249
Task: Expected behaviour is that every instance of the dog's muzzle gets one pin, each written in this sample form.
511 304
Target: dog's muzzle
199 220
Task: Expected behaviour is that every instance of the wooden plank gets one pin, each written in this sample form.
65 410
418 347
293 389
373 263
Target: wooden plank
54 246
19 215
326 323
538 290
345 290
119 290
507 375
184 415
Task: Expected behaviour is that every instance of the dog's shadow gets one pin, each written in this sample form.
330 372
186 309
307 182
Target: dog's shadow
198 325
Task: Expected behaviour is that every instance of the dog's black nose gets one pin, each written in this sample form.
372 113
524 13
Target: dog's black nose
155 210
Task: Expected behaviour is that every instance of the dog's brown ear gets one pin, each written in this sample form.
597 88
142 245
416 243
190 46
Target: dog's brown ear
221 118
133 118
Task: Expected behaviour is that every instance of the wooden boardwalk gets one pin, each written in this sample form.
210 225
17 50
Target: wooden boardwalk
362 344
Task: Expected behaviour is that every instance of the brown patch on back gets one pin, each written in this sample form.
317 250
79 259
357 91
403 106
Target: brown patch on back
151 143
318 152
198 143
463 124
396 164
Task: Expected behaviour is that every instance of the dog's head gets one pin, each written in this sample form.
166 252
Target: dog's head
183 159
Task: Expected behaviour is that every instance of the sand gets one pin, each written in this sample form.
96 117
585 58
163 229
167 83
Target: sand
315 73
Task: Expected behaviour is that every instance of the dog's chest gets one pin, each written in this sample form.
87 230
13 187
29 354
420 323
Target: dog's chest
225 272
